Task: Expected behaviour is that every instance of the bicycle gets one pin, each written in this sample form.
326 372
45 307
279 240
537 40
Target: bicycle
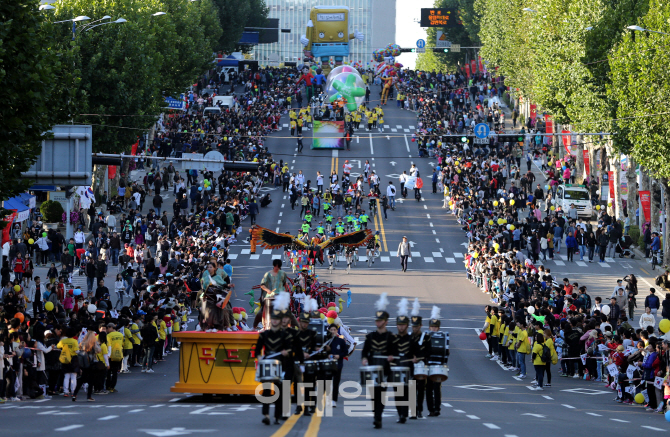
373 208
351 257
654 259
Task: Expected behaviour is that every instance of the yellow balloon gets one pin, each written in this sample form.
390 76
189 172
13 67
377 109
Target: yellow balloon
639 398
664 325
501 221
17 288
458 163
598 207
458 171
511 228
490 222
553 208
49 306
31 241
476 255
495 203
512 202
609 204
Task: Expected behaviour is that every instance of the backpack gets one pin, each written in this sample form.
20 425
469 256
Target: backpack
546 354
117 351
65 355
85 360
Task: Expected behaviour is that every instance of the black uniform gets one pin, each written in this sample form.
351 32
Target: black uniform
377 347
271 342
421 351
434 388
404 349
289 367
306 343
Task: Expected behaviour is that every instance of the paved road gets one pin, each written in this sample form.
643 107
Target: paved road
480 398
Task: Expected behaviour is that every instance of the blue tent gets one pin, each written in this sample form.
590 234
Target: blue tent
15 203
230 61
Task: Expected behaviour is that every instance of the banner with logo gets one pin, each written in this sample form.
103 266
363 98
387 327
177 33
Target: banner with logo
610 177
481 65
645 201
587 162
111 172
533 113
549 124
467 69
473 66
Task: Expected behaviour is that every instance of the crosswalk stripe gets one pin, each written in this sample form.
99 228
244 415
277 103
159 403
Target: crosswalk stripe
580 263
437 254
458 255
406 130
385 259
254 257
428 259
450 260
232 256
394 130
559 263
245 251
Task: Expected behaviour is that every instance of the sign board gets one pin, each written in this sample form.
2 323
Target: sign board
482 130
423 50
440 17
189 165
421 43
481 141
59 196
66 157
456 48
217 161
442 41
175 103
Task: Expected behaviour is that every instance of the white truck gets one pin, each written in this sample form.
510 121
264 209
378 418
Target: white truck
578 195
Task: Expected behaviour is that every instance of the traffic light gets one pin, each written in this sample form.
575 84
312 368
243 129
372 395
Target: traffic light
446 50
413 50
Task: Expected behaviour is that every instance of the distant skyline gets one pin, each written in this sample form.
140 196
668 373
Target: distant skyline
407 31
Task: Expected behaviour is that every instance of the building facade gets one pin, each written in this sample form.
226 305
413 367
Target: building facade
374 18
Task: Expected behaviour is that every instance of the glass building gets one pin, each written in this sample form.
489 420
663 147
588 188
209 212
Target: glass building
378 28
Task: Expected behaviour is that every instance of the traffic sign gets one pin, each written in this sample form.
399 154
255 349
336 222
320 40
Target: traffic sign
441 40
456 48
482 130
423 50
421 43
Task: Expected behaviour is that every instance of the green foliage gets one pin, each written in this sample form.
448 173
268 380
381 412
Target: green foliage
33 81
639 82
465 35
127 69
234 16
52 211
634 232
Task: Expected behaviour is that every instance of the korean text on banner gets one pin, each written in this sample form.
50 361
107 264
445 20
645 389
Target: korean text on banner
549 124
587 162
533 112
610 176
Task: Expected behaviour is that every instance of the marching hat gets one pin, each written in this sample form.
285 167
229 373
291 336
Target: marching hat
435 317
403 310
416 318
380 305
305 316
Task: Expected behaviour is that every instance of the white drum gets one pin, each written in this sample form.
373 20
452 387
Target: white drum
268 371
420 371
399 375
438 372
375 374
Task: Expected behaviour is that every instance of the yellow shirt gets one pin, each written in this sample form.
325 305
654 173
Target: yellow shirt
300 122
505 333
293 124
102 353
513 337
162 330
488 328
524 343
537 350
128 339
495 327
175 325
70 343
134 327
115 338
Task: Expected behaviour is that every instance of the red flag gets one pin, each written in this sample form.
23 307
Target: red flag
467 69
111 172
533 112
550 124
473 66
133 151
587 162
610 176
645 200
481 65
9 220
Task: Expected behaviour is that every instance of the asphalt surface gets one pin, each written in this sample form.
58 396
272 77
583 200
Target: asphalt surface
479 398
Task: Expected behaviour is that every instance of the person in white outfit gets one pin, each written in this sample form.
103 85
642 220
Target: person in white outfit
647 319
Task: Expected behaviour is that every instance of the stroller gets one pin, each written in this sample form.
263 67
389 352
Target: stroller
623 247
265 200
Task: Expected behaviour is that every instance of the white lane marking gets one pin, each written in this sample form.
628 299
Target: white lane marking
471 416
450 260
434 233
458 255
109 417
336 153
284 199
437 240
358 140
653 428
156 406
267 251
444 404
293 162
568 406
595 414
281 214
459 411
559 263
548 398
428 259
279 222
406 143
245 251
136 411
427 215
254 256
425 206
620 420
68 428
490 426
276 230
437 254
282 205
431 224
372 150
234 255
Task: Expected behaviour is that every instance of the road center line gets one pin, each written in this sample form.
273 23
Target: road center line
406 143
372 150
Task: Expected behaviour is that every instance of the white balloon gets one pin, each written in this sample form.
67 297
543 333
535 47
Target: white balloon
605 309
531 310
502 200
92 308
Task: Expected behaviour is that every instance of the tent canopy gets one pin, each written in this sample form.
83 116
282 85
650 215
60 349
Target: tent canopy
228 62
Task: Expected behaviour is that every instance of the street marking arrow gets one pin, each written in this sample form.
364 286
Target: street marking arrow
393 163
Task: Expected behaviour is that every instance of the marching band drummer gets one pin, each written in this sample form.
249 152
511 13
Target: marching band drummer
273 341
338 350
403 346
433 388
378 351
305 344
420 345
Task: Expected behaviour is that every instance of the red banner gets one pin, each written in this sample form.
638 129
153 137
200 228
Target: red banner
566 140
610 176
9 220
473 66
533 112
467 69
111 172
550 124
587 162
481 65
645 201
133 150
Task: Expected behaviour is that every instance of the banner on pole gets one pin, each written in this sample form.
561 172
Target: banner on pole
645 201
587 162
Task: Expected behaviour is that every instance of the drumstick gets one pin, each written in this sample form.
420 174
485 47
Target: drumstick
321 349
385 357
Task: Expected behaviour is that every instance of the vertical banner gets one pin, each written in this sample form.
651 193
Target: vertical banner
533 113
473 66
587 163
9 220
645 201
565 136
111 172
467 69
133 150
481 66
610 177
549 124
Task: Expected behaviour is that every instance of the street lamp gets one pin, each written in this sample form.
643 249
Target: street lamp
118 21
642 29
106 17
46 8
76 19
158 14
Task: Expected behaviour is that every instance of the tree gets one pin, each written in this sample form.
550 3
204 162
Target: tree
639 82
234 16
32 82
